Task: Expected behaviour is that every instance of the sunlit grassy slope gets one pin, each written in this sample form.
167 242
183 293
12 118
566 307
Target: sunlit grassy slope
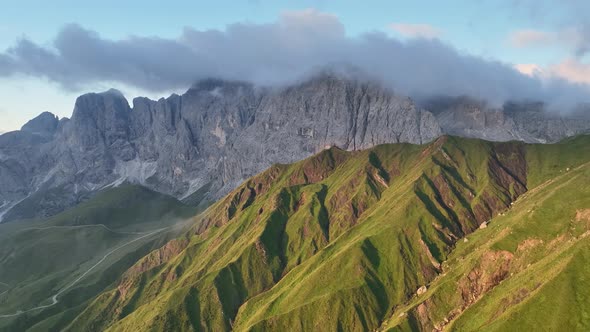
38 258
344 241
529 270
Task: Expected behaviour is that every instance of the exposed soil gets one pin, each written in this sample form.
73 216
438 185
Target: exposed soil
152 260
583 215
493 267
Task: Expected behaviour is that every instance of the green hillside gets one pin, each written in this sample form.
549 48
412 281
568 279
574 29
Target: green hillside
79 253
458 234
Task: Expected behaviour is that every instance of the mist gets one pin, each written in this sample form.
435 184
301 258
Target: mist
298 44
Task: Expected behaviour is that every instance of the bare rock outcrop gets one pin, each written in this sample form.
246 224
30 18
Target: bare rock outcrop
212 137
204 143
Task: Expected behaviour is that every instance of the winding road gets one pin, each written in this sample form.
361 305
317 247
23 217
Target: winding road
54 298
7 287
82 226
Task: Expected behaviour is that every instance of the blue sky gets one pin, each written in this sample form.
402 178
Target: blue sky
532 34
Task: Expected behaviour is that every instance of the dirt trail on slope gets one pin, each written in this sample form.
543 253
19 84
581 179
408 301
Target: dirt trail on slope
54 298
82 226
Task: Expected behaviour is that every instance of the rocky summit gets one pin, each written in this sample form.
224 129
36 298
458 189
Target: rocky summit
524 121
204 143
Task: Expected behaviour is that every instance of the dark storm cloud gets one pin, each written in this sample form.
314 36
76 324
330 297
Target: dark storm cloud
296 45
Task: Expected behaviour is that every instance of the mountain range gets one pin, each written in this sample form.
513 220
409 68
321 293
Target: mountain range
201 145
456 234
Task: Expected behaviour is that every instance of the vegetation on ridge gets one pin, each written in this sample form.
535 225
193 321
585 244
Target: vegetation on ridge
458 234
343 240
79 253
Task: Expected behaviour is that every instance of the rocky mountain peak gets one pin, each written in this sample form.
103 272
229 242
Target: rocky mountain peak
219 133
440 104
529 121
99 119
45 124
329 78
110 100
114 93
219 88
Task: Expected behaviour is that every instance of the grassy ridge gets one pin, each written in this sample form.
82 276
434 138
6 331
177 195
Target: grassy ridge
343 240
528 269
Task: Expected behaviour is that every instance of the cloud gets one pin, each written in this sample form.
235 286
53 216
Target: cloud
416 30
297 44
567 38
570 69
531 38
573 70
571 19
530 69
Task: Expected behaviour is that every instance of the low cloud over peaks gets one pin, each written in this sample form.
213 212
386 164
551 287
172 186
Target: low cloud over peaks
297 44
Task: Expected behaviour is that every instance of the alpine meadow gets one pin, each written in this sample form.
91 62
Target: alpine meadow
315 166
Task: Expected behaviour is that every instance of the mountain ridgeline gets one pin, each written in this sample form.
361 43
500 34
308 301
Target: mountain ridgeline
458 234
203 144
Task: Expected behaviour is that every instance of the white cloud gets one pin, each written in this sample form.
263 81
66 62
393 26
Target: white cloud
572 70
570 20
529 69
569 69
412 30
531 38
297 44
572 39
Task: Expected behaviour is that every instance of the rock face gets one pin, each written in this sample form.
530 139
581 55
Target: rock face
204 143
43 125
526 121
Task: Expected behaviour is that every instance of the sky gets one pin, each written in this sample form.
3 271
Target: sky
53 51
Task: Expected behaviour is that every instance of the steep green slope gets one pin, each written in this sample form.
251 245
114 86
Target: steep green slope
344 241
78 253
528 270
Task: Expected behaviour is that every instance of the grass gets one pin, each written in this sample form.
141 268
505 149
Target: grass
547 279
40 257
343 240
